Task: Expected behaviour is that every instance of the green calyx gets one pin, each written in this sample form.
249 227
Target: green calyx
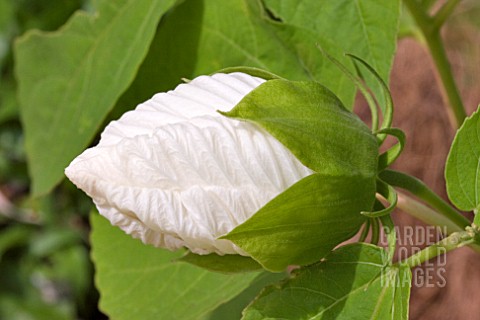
304 223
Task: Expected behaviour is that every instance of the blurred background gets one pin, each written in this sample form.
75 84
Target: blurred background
45 270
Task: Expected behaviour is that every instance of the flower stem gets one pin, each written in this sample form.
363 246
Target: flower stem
444 215
430 27
455 240
426 214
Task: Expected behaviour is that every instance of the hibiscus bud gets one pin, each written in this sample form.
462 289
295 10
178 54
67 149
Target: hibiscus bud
176 173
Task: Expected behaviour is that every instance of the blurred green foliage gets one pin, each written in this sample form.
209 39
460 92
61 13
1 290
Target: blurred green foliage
45 270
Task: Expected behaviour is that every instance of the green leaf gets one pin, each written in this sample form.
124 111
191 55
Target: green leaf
212 35
476 219
18 308
138 281
230 263
233 309
304 223
255 72
71 267
462 171
8 102
7 19
53 240
353 282
70 79
15 235
368 30
310 121
408 27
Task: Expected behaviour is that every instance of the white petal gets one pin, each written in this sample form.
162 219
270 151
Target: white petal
174 172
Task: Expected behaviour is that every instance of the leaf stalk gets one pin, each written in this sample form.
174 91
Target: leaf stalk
453 241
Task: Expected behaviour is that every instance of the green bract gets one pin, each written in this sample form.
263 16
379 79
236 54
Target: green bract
303 224
312 122
462 171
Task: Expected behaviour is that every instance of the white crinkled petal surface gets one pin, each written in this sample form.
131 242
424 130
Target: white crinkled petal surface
174 172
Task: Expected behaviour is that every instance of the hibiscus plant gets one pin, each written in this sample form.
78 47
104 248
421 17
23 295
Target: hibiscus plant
251 190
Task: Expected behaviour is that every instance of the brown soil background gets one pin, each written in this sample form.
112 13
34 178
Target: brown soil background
421 112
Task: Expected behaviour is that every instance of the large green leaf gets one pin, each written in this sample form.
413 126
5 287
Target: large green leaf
232 309
137 281
304 223
462 170
70 79
353 282
212 35
368 29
